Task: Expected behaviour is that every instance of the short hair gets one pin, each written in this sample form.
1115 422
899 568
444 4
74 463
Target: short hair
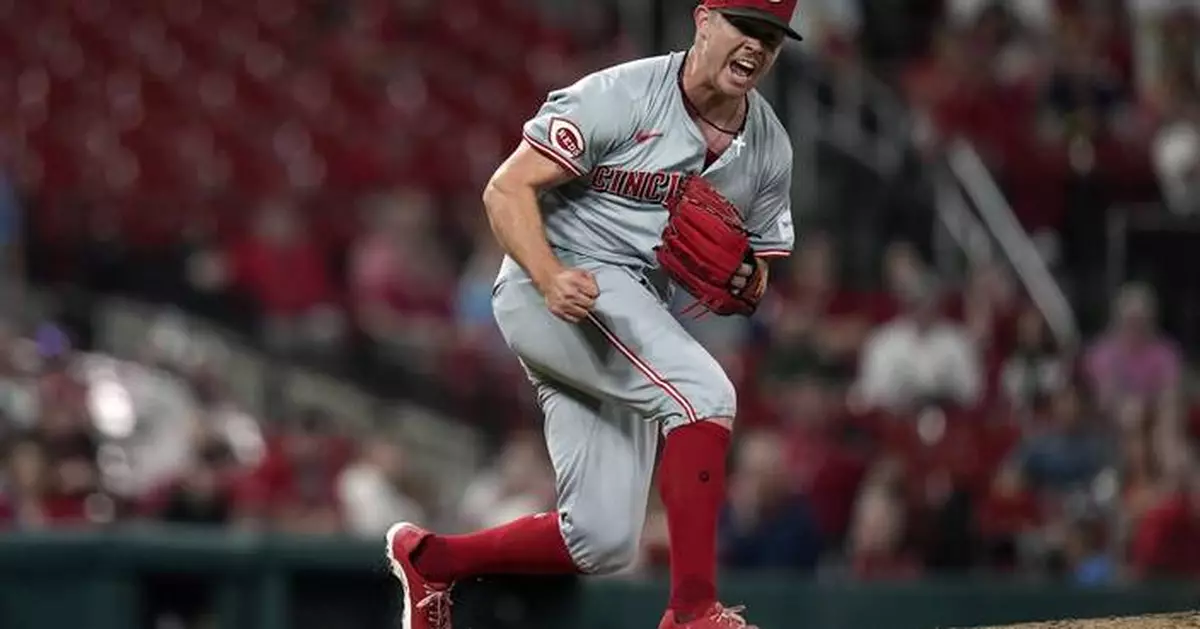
1135 295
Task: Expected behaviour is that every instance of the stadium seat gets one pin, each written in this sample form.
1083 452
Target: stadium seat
129 100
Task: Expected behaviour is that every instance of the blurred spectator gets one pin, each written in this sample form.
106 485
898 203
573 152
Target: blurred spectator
826 456
224 418
816 327
1009 516
473 303
1141 477
61 391
878 536
202 494
281 265
1133 358
989 308
904 273
371 490
946 536
1032 14
11 245
1177 162
1166 43
403 281
600 33
26 481
19 394
1071 450
207 273
520 483
295 488
478 369
1087 553
766 524
832 27
1166 543
1084 93
1034 370
932 81
148 421
918 357
75 496
65 430
973 88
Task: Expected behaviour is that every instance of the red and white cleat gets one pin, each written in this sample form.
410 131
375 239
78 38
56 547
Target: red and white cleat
717 617
426 603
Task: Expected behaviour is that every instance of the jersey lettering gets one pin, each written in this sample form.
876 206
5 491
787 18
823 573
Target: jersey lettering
646 187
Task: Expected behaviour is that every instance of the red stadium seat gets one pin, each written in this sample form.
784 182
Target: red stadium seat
133 101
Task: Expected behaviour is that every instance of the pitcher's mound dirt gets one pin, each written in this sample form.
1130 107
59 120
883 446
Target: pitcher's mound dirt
1169 621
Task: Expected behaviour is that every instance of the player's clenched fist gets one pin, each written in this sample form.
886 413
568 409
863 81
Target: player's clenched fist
570 294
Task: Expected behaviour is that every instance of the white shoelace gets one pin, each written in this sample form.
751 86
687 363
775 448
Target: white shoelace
436 605
732 616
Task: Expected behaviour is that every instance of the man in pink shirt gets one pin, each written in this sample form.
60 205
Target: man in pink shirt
1133 359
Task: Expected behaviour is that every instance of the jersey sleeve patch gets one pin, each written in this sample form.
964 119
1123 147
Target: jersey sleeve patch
567 137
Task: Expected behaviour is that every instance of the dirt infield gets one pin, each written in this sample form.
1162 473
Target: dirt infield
1169 621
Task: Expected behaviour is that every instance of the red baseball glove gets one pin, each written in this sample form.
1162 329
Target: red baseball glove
705 244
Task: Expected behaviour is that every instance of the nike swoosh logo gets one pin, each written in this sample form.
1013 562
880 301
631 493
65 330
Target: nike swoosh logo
645 136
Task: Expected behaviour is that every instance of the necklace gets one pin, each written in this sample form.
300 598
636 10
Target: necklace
695 111
709 122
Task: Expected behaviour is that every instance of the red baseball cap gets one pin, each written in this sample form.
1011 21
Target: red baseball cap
775 12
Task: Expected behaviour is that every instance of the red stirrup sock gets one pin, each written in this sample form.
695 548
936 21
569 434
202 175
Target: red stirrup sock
692 484
530 545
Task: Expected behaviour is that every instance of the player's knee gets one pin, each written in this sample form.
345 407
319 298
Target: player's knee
603 544
715 401
723 402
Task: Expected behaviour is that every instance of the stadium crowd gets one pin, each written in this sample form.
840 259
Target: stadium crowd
917 428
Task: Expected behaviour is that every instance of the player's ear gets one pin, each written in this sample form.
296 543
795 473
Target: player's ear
702 16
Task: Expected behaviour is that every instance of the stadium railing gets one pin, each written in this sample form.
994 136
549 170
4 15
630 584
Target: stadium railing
438 447
103 579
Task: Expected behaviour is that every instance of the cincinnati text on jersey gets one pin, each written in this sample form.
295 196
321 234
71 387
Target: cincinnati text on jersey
644 186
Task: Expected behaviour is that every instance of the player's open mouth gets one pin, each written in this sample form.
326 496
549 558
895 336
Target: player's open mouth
743 68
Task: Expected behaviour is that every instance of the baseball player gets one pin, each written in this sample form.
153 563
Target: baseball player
661 172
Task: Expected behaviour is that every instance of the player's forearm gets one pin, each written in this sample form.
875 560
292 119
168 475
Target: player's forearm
517 224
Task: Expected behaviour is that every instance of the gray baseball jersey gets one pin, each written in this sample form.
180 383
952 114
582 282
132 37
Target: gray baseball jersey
608 386
627 135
